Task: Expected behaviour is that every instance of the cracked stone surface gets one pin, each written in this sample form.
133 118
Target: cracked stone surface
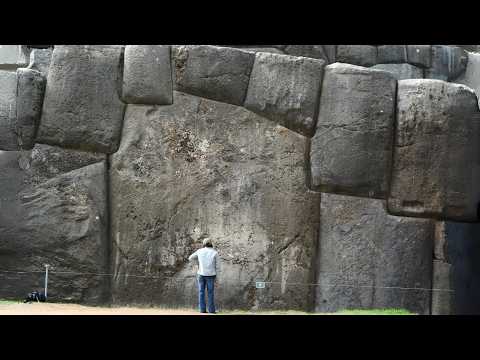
364 255
436 166
362 55
82 107
212 72
351 150
8 110
53 211
202 168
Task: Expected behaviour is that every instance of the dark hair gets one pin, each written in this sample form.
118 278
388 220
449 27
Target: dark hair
207 243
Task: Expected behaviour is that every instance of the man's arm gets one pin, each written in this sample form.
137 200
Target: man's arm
217 264
193 256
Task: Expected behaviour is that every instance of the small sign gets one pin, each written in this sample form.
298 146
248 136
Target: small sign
260 285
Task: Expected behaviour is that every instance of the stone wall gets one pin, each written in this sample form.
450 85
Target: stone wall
118 160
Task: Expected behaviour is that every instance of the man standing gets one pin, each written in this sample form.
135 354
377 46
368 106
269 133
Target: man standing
207 272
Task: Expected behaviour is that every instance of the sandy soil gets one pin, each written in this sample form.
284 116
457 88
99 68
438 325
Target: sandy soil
73 309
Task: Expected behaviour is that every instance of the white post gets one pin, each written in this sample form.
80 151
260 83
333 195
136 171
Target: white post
46 280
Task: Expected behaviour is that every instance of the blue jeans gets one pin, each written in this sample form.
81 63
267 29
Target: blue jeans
207 282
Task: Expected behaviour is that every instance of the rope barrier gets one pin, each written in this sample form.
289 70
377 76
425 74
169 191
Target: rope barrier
236 281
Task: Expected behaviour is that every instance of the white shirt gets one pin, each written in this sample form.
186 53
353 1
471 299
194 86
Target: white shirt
207 261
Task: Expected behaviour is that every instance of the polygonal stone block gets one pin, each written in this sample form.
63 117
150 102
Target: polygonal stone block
147 75
388 54
82 107
436 167
448 63
286 89
420 55
216 73
352 148
8 110
13 56
401 71
362 55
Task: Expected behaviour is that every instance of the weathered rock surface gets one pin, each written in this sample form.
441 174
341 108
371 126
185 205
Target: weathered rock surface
448 63
8 110
261 49
366 255
13 56
55 216
216 73
362 55
401 71
311 51
420 55
388 54
286 89
147 75
202 168
40 60
82 107
456 268
30 94
436 167
471 76
351 150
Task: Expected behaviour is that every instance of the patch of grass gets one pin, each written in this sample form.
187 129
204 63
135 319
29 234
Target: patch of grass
8 302
375 312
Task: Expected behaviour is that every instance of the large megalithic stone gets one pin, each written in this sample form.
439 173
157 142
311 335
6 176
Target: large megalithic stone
201 168
448 63
21 98
401 71
471 76
311 51
147 75
212 72
436 167
368 259
286 89
82 107
362 55
13 57
352 148
53 211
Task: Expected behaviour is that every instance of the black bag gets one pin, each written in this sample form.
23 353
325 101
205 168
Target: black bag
35 296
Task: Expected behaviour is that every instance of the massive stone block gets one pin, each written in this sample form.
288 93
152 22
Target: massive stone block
471 76
401 71
351 150
420 55
448 63
82 107
147 75
368 259
456 268
53 211
30 94
13 56
311 51
40 60
212 72
286 89
436 167
202 168
396 54
363 55
8 110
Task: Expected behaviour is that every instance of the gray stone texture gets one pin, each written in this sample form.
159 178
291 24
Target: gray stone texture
436 154
448 63
401 71
216 73
442 292
53 205
30 94
420 55
82 107
368 259
40 60
147 75
351 150
471 76
286 89
392 54
13 56
362 55
8 110
311 51
202 168
261 49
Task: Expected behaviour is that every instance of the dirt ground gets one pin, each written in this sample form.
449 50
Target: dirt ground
73 309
